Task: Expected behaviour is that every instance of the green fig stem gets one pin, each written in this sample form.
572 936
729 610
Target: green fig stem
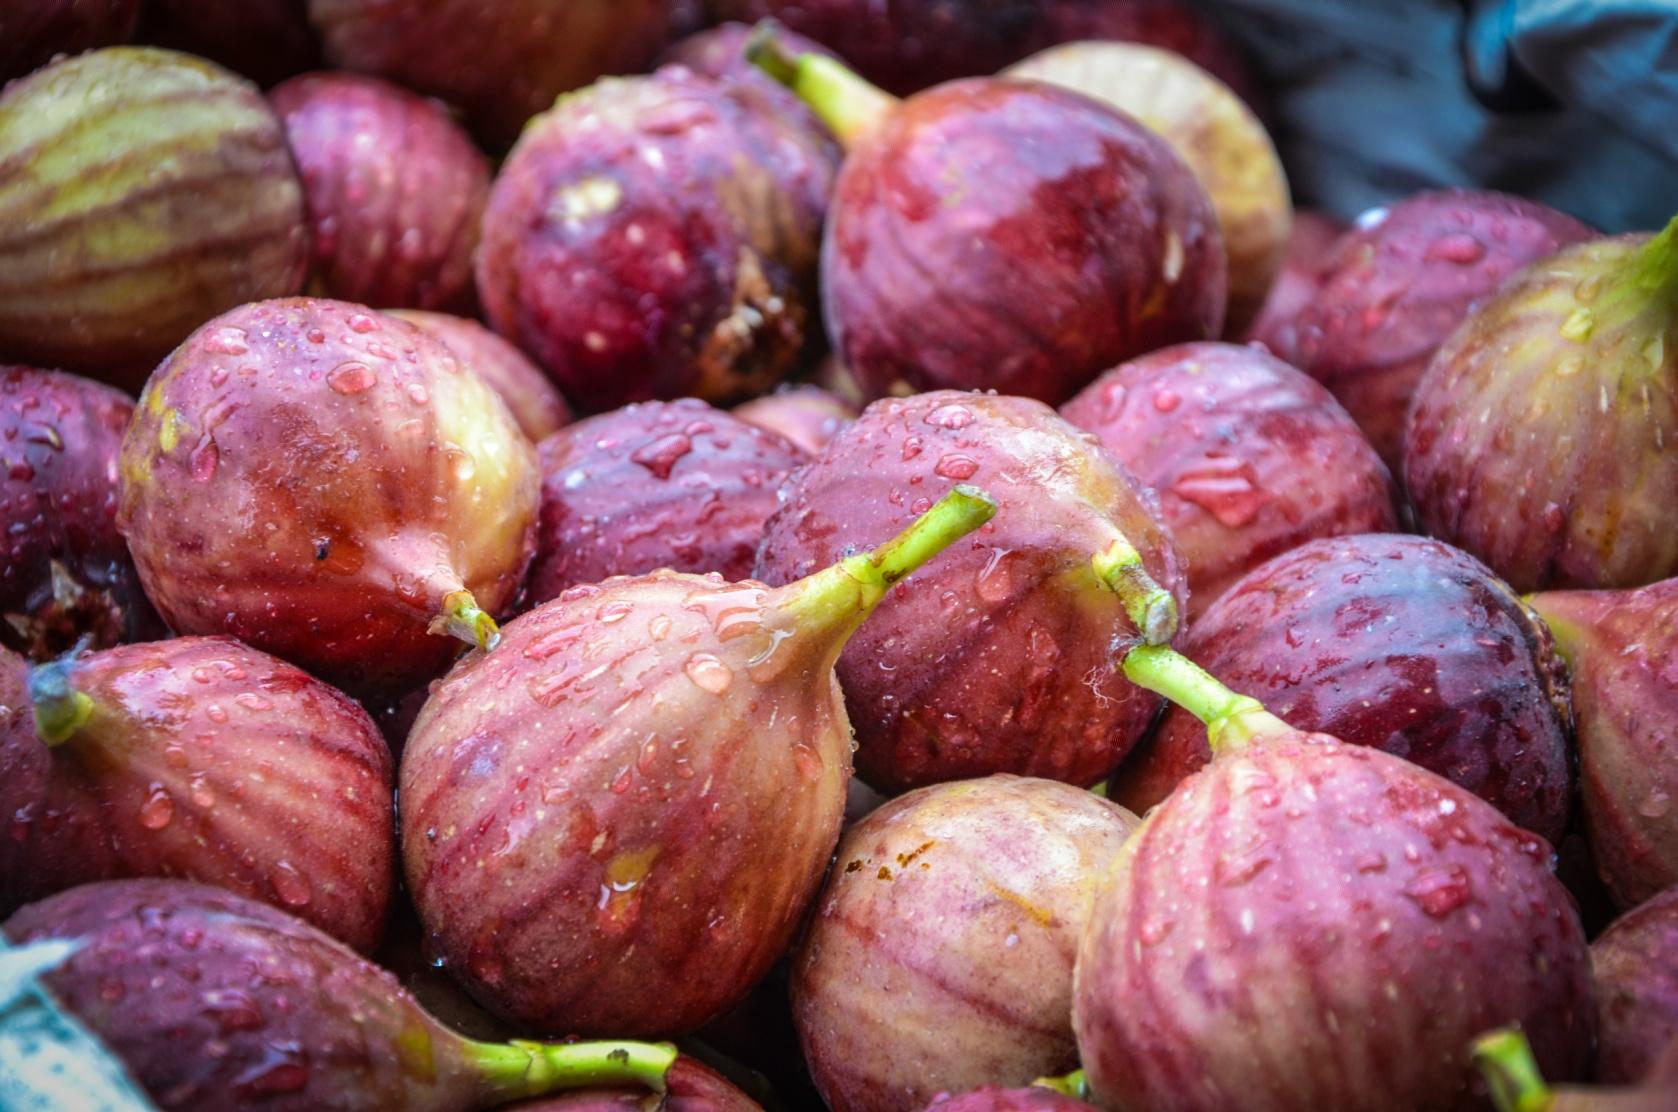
1505 1060
462 618
1231 720
1074 1085
60 710
1656 263
519 1069
1151 608
847 104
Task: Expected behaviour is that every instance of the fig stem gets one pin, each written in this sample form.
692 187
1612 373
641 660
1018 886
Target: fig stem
521 1068
1231 719
1656 264
1505 1060
1151 608
60 710
848 105
462 618
1074 1085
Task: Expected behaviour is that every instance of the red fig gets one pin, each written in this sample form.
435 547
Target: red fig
535 404
675 485
720 52
1250 457
266 40
325 483
197 758
1036 1098
1310 924
1635 966
216 1002
690 1086
807 415
939 958
395 191
1311 239
1002 662
645 779
32 32
1540 438
1517 1085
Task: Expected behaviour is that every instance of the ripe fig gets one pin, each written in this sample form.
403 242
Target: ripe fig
645 779
535 404
1571 485
656 237
1394 642
1035 1098
1516 1085
1309 924
953 258
1002 661
1250 457
395 191
720 52
690 1086
197 758
1635 966
939 957
186 205
1219 137
266 40
807 415
1182 28
1400 282
32 33
66 572
216 1002
1311 239
326 484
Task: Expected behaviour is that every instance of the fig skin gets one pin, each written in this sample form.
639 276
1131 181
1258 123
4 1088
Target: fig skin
1394 642
373 489
117 249
1311 240
266 40
720 53
939 957
32 33
1635 967
1400 281
1250 457
66 572
1571 486
1168 24
677 485
807 415
1034 1098
395 191
215 1002
656 237
693 1087
198 758
537 407
1003 660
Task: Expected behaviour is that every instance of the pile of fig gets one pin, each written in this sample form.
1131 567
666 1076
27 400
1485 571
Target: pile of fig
604 555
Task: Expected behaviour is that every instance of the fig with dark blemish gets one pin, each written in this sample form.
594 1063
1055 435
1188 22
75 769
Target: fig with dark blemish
1516 1083
690 1086
34 32
266 40
807 415
1310 242
535 404
1635 965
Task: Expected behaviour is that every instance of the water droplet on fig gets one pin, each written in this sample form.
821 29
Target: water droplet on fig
911 447
362 323
204 460
158 811
351 378
614 612
289 885
1440 891
660 457
283 1068
996 581
1225 487
418 394
1154 931
950 416
957 467
232 1009
809 762
1167 400
227 341
1578 325
709 673
1458 247
1570 366
1655 805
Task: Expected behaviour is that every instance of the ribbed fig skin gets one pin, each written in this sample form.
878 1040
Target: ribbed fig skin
807 415
1635 967
185 205
266 40
1395 642
939 957
952 260
675 485
394 188
207 760
535 404
1311 924
1003 657
1034 1098
1250 457
692 1087
33 31
720 52
1311 240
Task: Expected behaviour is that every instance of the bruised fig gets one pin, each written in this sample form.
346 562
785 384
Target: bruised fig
1516 1084
1002 662
1007 235
643 781
197 758
1310 924
1311 239
31 33
939 958
1250 457
266 40
807 415
215 1002
535 404
1635 966
1541 438
689 1086
327 484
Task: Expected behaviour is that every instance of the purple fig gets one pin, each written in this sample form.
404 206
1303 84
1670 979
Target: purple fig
939 957
1002 661
1251 458
720 52
1035 1098
1635 966
1310 924
32 32
645 779
807 415
197 758
327 484
535 404
216 1002
394 188
1182 28
1311 239
1516 1084
690 1086
402 952
266 40
1540 438
66 572
152 191
675 485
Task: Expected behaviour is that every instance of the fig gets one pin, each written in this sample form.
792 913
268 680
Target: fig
807 415
720 52
1035 1098
217 1002
187 205
326 484
645 779
656 237
1250 457
535 404
675 485
1002 661
1306 923
502 61
939 957
1311 238
32 33
66 573
198 758
1395 642
690 1086
1219 137
1516 1084
1396 286
1003 234
1621 646
1570 486
1635 966
395 191
1173 25
266 40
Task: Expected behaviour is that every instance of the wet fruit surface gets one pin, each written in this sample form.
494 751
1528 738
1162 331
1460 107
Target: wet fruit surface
809 416
1635 965
1310 242
535 404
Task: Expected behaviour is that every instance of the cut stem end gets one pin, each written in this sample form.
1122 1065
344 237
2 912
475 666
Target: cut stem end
1505 1060
461 617
1151 608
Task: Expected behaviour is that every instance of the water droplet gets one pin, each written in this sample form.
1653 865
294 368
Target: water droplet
1225 487
204 459
200 792
227 340
614 612
1578 325
158 811
250 700
659 627
911 447
283 1068
1371 862
1655 805
233 1009
996 580
315 336
1154 931
351 378
957 467
1457 247
1166 400
660 457
1172 266
215 712
1440 891
418 394
809 762
362 323
1570 365
463 465
289 885
709 673
950 416
174 756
